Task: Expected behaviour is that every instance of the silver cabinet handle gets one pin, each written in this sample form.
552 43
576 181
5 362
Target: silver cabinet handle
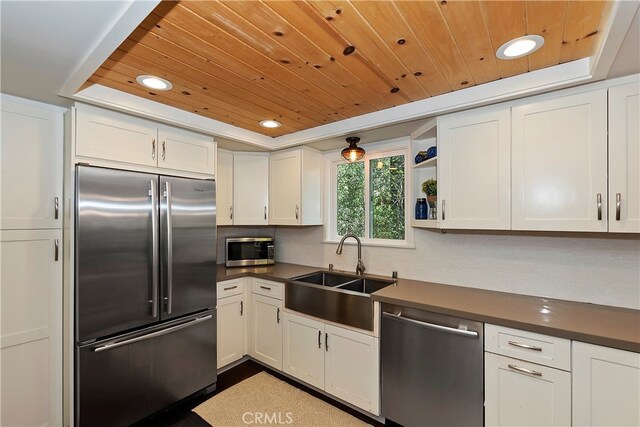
153 148
154 244
297 212
319 339
265 287
164 149
278 315
56 254
326 341
526 346
241 307
448 329
230 212
443 210
169 297
618 204
230 287
265 212
525 370
56 207
117 344
599 204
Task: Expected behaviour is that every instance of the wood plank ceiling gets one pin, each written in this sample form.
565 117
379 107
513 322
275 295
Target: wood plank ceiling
308 63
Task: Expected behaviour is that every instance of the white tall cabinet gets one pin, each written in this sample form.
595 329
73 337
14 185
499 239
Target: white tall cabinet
474 170
624 158
606 386
31 258
224 187
559 163
250 188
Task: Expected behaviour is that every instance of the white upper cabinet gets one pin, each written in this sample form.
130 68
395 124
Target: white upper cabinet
295 187
186 151
250 188
111 139
559 164
30 165
224 187
624 159
606 386
474 170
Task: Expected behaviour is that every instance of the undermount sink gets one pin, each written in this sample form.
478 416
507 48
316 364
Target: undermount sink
337 297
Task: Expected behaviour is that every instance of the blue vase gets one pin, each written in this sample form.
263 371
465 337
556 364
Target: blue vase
422 209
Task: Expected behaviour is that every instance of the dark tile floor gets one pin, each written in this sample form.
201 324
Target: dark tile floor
180 415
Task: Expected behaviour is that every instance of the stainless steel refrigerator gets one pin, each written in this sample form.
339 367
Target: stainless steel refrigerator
145 292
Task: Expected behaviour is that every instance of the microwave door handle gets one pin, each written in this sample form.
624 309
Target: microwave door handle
169 297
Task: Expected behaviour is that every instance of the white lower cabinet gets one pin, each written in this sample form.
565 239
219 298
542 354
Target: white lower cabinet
606 386
266 330
519 393
342 362
231 315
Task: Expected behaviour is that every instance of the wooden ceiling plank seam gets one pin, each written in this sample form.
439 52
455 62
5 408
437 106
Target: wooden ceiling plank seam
236 121
469 30
546 19
125 73
506 21
310 74
394 30
581 25
272 68
196 80
283 33
331 41
309 107
353 27
437 39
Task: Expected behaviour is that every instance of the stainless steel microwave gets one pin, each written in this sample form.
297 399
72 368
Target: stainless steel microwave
243 251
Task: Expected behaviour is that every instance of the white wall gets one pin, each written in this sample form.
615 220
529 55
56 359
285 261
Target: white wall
579 267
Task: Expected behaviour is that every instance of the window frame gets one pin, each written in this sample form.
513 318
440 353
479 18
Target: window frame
395 147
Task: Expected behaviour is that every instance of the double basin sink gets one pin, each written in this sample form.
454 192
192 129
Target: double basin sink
337 297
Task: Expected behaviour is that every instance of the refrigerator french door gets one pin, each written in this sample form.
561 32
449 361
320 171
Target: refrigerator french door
145 292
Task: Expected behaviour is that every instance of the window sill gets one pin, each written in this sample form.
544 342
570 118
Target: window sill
351 242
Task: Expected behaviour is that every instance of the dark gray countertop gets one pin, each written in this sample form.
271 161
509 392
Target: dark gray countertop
592 323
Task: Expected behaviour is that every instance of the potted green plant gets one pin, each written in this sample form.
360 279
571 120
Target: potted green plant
430 188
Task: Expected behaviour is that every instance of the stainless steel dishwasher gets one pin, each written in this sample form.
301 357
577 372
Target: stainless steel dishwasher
432 368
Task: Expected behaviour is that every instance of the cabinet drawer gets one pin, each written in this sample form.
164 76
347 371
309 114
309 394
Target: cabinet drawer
230 287
530 346
268 288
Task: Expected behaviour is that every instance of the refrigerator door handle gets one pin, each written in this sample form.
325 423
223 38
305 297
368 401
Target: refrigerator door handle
117 344
154 243
169 297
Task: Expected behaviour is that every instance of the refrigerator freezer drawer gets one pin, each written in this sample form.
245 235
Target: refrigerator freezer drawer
125 379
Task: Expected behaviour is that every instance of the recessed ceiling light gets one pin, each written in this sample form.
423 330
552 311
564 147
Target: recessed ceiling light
270 124
153 82
520 47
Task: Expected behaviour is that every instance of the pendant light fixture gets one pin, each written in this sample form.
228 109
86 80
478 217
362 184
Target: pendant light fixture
353 153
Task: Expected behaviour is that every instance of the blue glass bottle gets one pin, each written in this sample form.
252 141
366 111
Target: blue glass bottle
422 209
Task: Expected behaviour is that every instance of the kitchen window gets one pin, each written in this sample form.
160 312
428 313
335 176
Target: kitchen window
369 198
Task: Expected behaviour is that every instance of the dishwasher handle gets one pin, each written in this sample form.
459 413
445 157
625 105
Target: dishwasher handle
440 328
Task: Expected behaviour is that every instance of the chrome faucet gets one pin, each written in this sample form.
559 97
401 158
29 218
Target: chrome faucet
360 267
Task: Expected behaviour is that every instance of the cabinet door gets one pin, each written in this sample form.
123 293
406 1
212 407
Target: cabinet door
186 151
514 397
352 367
606 386
559 180
285 177
231 312
474 170
224 187
303 352
624 159
105 135
31 328
266 330
30 167
250 188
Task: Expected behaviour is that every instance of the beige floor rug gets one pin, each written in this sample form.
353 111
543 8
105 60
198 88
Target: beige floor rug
263 400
